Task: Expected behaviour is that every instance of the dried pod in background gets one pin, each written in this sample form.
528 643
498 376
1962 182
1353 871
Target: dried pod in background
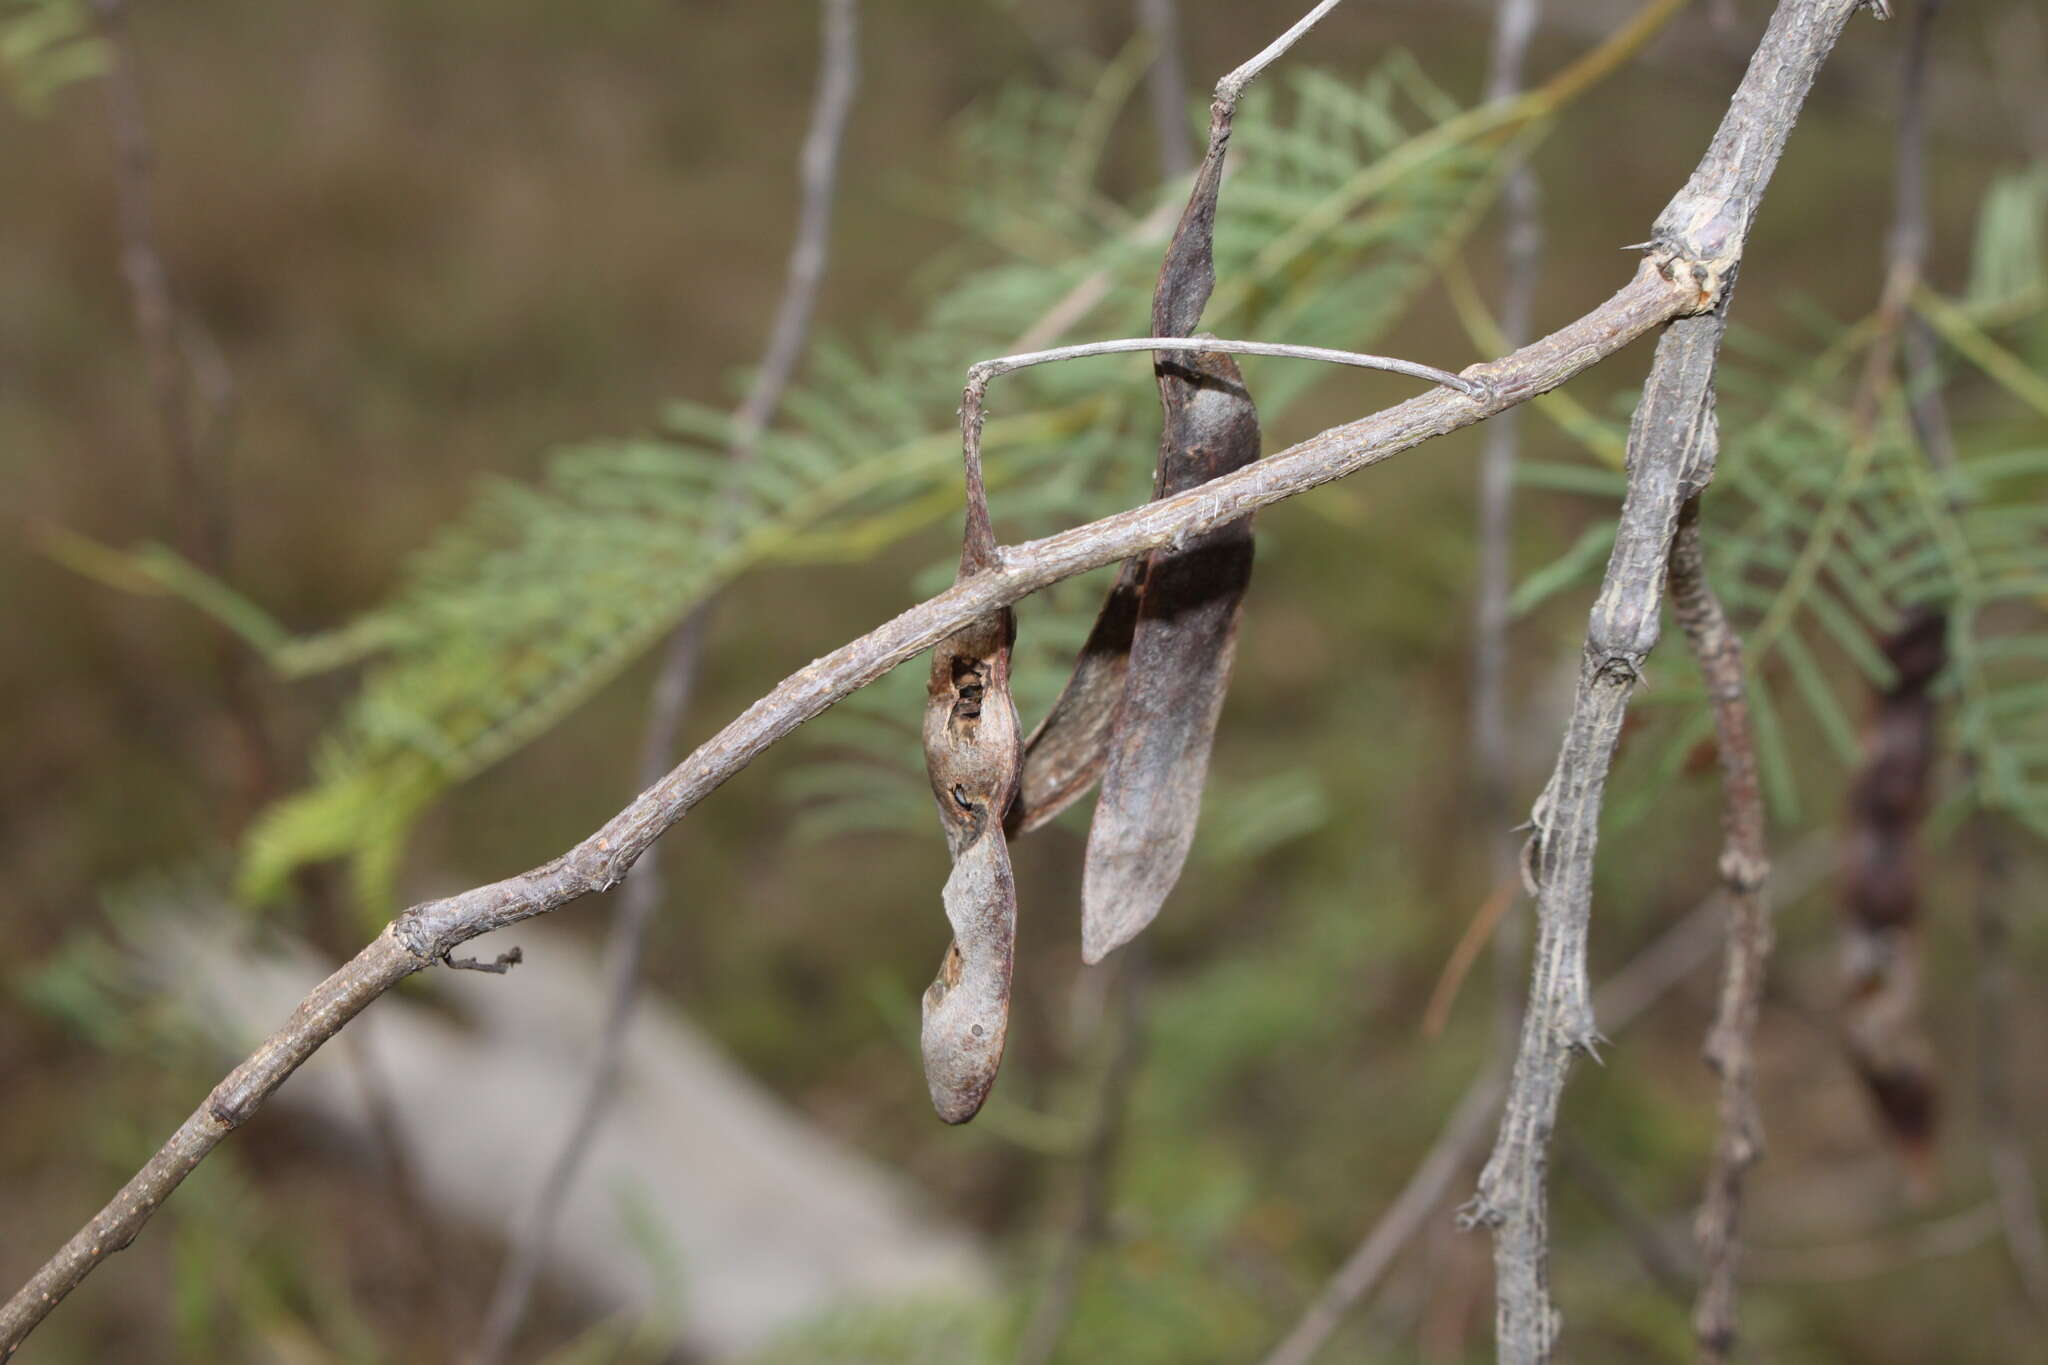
1881 895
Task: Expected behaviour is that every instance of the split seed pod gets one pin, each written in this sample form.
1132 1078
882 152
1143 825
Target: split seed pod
973 749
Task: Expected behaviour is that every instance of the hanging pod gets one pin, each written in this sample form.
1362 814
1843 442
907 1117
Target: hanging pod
972 753
1140 710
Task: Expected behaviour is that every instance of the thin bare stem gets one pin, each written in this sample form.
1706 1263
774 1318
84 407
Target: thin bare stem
1957 1234
1623 998
1124 1023
1745 867
1166 82
2014 1190
1514 27
420 936
982 371
1699 238
1231 88
1663 1261
190 387
674 684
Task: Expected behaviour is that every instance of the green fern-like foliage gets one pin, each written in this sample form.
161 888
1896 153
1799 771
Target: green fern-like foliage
1826 528
46 45
538 596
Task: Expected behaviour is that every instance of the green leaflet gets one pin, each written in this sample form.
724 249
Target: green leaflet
1820 544
46 45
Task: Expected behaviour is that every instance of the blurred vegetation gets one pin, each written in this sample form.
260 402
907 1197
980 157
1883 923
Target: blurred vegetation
444 247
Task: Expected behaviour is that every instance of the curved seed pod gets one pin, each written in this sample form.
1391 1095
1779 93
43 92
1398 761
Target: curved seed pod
1181 651
1066 753
971 754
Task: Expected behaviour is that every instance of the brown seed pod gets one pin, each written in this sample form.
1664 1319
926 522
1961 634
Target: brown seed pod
972 753
972 749
1140 711
1181 651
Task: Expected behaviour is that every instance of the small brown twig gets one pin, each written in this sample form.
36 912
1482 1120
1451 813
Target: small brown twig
675 681
1745 867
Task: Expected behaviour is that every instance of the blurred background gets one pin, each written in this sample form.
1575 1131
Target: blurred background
419 247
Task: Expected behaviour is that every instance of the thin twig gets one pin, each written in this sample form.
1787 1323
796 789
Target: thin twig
674 684
2013 1186
1745 867
1623 998
1166 81
1124 1024
1663 1262
190 387
1231 88
1514 27
1845 1262
982 371
1700 236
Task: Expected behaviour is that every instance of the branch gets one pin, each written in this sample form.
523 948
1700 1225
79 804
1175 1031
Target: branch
669 699
1166 81
1698 239
1521 254
1744 868
1622 999
422 934
1124 1023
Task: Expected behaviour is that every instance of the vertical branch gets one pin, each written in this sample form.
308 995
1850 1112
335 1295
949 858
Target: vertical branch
1883 1033
1698 240
1521 254
190 387
1124 1023
2013 1186
669 697
149 291
1166 83
1745 866
1623 998
2016 1192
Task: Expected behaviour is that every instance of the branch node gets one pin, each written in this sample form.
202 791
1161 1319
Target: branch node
1744 875
1480 1212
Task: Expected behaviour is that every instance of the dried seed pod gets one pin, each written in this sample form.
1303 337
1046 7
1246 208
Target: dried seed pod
1065 754
1889 799
1182 646
972 750
1140 711
972 753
